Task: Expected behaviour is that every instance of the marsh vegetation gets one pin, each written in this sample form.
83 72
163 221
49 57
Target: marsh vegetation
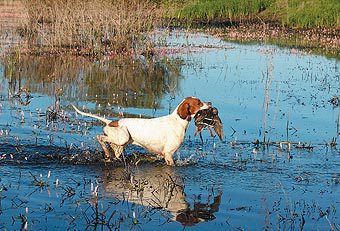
106 28
88 28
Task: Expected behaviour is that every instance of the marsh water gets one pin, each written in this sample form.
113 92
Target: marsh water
277 168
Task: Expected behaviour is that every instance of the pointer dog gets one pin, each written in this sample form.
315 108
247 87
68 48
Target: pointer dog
162 135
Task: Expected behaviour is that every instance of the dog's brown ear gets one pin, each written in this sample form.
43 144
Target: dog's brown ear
183 110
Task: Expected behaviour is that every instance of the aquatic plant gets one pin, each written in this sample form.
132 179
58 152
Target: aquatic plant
268 78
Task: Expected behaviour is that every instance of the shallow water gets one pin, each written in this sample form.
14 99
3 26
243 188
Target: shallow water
52 175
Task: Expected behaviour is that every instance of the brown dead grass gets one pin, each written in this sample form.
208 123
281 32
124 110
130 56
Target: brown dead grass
12 14
86 27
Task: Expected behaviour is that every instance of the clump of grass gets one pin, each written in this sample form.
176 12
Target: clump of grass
92 27
222 9
307 13
292 13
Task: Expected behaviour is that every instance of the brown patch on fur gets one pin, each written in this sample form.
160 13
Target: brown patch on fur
188 107
113 123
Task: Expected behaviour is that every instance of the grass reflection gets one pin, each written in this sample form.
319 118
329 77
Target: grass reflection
124 82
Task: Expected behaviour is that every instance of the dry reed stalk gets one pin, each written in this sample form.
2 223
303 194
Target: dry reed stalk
267 88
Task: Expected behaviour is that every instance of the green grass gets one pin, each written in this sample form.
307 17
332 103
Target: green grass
294 13
211 9
312 13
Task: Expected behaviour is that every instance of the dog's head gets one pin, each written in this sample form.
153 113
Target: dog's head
190 106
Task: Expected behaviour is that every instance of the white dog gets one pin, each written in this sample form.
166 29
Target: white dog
162 135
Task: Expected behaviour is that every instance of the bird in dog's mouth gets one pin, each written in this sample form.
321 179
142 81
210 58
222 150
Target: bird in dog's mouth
207 118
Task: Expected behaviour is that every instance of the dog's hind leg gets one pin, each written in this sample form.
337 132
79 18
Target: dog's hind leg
102 140
117 138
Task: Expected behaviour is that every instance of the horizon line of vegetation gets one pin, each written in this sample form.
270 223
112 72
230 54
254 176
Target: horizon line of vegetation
97 28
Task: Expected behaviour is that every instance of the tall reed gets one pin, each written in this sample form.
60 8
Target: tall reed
268 79
88 27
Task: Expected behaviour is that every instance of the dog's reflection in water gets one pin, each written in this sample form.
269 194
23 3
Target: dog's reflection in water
159 187
199 212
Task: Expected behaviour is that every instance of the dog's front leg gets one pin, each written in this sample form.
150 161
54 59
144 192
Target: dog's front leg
117 149
168 159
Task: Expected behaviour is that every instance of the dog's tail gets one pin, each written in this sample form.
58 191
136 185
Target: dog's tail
91 115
